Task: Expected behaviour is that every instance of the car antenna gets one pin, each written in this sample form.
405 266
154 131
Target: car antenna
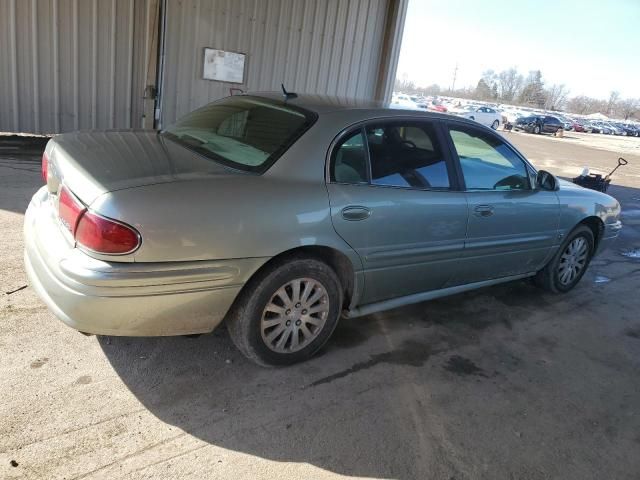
288 95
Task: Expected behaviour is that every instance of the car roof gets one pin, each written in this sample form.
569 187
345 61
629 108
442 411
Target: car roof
322 103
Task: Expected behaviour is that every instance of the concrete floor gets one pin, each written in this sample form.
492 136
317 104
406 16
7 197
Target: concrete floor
503 383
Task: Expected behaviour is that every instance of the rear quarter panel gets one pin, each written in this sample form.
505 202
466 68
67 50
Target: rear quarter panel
250 216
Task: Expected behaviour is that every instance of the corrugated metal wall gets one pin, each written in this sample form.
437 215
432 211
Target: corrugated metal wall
82 64
321 46
72 64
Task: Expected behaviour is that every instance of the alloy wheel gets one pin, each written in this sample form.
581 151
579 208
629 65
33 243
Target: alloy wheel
295 315
573 260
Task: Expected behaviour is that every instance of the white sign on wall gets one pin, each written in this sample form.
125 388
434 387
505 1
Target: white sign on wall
223 66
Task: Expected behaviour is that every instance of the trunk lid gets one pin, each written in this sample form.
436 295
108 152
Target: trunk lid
96 162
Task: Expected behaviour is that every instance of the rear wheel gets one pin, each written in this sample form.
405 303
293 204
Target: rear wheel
536 129
495 124
566 268
287 313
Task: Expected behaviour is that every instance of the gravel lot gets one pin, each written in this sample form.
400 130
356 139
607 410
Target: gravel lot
503 383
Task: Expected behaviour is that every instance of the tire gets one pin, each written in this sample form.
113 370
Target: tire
536 129
553 276
260 312
495 124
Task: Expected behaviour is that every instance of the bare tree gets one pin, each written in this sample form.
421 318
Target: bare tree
433 89
614 96
483 90
628 107
489 76
405 85
581 105
556 97
533 91
509 84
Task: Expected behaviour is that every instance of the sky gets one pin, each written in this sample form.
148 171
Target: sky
591 46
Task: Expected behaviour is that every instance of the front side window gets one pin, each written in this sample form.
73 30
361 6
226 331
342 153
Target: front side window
406 155
487 162
243 132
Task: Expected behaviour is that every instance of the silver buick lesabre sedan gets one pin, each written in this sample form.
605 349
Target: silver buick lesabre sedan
278 215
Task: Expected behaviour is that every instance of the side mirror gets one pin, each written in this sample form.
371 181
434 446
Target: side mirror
546 181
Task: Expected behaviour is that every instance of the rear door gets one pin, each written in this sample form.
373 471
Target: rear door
482 115
512 226
551 124
393 199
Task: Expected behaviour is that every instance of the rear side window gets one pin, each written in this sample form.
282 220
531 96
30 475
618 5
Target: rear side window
243 132
349 162
407 155
487 162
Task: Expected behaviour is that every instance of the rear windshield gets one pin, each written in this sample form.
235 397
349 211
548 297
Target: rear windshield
243 132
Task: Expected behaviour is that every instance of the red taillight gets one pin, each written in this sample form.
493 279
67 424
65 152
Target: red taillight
106 236
93 232
69 210
45 167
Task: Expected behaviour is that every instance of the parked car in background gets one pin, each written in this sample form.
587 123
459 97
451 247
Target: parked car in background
594 126
484 115
577 125
278 216
587 126
437 106
511 116
403 101
539 124
635 129
627 130
615 129
566 122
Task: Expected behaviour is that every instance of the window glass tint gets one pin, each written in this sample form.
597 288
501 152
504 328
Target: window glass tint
244 132
488 163
349 162
406 155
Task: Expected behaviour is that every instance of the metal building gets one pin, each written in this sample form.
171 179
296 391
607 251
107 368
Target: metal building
81 64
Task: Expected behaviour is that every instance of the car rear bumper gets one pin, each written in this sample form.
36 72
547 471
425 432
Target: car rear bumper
128 299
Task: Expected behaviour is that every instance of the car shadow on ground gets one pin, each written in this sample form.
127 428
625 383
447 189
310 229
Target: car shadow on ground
341 411
348 410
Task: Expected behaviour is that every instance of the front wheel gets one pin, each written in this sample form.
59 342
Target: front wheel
566 268
536 129
495 124
287 313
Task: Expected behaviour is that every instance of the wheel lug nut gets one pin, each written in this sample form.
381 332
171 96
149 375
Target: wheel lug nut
304 312
288 312
288 323
297 305
298 323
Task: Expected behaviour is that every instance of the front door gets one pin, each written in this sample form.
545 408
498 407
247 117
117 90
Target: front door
512 226
392 200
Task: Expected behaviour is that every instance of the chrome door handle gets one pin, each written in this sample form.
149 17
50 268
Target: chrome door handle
355 213
483 210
